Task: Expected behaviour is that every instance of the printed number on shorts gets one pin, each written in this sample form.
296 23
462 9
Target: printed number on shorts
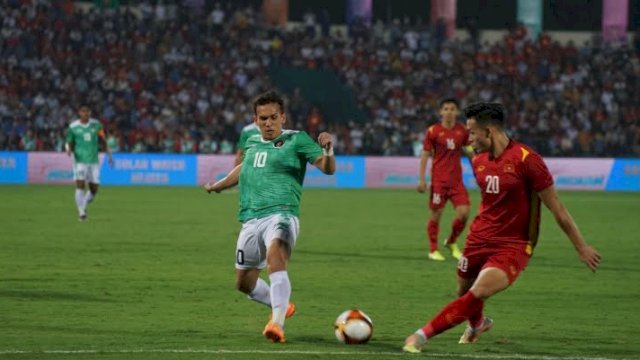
240 257
463 264
493 184
87 137
436 199
260 159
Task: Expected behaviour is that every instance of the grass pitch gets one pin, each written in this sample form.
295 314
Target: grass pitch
150 276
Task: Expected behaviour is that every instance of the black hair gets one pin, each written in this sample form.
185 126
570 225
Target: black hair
486 113
449 101
269 97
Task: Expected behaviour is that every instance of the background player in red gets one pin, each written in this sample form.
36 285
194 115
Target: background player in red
445 141
513 179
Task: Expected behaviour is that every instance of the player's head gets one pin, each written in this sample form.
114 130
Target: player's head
485 121
269 115
449 109
84 112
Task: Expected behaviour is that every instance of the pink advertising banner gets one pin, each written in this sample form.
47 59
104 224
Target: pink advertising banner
50 168
213 167
569 174
580 174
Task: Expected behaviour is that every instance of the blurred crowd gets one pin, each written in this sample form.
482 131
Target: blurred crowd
180 78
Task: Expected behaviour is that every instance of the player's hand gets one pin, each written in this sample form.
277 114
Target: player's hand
209 187
590 257
325 140
422 187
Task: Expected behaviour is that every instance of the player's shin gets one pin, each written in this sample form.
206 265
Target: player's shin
457 311
280 294
261 293
456 229
80 201
475 320
432 233
88 198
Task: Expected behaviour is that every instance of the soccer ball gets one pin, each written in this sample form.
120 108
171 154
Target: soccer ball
353 327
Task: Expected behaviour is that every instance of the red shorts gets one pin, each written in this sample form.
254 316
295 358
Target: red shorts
440 194
512 260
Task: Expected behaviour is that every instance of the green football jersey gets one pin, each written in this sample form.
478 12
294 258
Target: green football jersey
245 134
84 140
272 174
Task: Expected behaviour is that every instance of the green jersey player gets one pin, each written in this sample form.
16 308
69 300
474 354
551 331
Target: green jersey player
245 134
270 178
83 137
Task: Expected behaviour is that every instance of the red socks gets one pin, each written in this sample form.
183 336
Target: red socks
465 307
456 229
432 231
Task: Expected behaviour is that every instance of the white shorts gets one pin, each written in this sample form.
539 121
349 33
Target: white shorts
256 236
87 172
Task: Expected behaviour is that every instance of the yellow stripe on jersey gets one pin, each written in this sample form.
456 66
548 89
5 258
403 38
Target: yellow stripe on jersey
525 153
534 225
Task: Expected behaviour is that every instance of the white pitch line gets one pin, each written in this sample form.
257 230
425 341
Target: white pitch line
303 352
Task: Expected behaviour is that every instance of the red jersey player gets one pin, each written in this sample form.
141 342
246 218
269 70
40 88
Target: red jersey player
513 179
445 141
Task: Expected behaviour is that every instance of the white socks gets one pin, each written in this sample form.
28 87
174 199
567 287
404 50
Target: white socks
83 199
88 198
261 293
80 201
280 294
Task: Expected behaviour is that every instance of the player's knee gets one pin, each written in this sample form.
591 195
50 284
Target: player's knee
243 286
482 292
463 214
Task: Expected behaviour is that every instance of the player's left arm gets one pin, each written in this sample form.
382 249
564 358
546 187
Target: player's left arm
327 162
103 138
588 254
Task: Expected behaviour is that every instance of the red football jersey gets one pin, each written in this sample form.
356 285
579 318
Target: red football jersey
510 208
445 145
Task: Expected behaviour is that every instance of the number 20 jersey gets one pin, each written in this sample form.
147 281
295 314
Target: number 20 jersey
509 213
273 172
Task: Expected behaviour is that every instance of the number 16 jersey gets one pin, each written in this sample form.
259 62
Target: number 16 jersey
509 213
273 172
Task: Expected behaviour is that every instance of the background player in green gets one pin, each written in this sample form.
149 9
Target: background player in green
270 178
245 134
83 140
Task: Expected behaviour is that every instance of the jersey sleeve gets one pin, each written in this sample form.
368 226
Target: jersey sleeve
307 148
537 173
427 143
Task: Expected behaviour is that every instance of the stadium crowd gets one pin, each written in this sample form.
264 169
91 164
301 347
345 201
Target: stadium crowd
180 79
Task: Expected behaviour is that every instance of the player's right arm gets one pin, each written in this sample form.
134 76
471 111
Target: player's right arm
424 159
68 144
228 181
427 151
587 254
